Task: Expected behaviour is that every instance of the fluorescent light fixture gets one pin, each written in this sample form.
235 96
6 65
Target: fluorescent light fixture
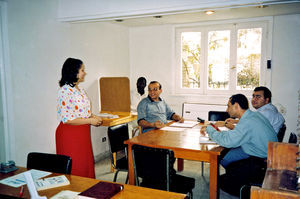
209 12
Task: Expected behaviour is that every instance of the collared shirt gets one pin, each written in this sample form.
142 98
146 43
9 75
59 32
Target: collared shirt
72 103
272 114
252 133
152 111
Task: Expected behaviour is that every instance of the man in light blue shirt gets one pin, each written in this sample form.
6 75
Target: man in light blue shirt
153 112
248 141
261 101
250 136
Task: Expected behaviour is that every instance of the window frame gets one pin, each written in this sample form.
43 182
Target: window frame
265 23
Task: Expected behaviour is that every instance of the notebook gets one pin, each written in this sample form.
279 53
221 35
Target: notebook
101 190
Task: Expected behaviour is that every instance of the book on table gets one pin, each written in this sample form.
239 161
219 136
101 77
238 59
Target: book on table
51 182
101 190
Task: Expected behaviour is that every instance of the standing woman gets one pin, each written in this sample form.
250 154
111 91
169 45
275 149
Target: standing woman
73 136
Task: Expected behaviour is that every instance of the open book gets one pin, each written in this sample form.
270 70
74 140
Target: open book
51 182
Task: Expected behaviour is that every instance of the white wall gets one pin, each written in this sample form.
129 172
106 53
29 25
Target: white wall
286 67
39 45
151 54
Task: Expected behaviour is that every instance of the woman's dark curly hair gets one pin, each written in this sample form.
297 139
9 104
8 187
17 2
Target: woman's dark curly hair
69 72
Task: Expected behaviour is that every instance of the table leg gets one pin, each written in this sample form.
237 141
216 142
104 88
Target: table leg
130 166
180 164
213 177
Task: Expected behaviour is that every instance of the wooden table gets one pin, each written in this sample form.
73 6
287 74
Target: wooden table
185 145
80 184
124 117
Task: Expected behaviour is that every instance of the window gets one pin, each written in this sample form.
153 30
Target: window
221 59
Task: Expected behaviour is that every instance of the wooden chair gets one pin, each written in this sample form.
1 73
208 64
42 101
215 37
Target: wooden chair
49 162
136 131
155 167
118 150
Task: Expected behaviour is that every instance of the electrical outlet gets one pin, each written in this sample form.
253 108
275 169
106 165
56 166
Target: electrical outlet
104 139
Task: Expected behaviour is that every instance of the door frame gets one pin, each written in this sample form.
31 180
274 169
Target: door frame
6 86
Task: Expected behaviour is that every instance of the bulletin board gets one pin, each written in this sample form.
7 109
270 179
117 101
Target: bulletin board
114 94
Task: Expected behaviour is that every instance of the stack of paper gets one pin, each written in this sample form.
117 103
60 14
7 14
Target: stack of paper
107 115
19 180
185 124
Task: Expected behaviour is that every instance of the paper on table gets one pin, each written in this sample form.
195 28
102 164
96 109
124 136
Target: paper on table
19 179
30 185
107 115
51 182
167 128
185 124
205 140
66 194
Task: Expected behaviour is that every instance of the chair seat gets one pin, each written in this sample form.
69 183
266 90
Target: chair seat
122 164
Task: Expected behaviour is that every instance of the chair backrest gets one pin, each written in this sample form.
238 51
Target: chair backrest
281 132
217 115
282 156
153 164
116 136
49 162
293 138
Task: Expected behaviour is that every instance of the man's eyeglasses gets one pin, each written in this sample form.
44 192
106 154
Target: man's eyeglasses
154 89
256 96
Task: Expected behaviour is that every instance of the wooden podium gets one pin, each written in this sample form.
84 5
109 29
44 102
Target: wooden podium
115 99
282 161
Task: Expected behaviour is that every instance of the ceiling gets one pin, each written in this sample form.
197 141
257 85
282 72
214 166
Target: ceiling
220 14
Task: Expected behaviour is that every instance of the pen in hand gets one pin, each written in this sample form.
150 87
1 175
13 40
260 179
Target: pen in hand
215 127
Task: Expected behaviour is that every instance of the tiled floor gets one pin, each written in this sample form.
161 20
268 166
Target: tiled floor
191 169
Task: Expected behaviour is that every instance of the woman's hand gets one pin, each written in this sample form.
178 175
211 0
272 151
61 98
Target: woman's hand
95 121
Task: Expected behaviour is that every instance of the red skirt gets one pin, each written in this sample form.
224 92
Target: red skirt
75 141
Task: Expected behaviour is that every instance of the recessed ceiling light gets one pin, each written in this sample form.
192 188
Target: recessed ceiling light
209 12
262 6
119 20
157 16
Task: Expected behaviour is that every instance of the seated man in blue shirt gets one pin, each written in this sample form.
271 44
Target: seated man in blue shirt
261 101
248 140
153 112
